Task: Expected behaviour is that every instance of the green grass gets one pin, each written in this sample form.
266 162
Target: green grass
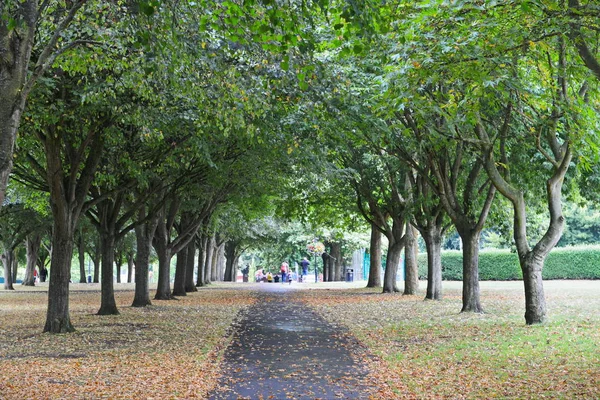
430 350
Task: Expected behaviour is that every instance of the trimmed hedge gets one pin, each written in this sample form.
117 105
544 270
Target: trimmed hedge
502 265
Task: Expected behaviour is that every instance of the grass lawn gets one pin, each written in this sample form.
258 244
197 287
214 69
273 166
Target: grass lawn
429 350
422 349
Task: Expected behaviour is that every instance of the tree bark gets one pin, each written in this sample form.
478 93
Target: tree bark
231 248
470 293
189 273
326 267
336 261
375 261
411 267
57 316
180 272
391 269
81 257
15 52
33 243
130 264
96 260
209 258
433 242
201 277
7 261
163 287
108 305
144 234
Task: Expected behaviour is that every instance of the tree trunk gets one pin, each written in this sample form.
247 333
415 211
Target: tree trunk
129 266
163 287
57 316
219 262
108 305
208 262
144 234
96 261
214 277
15 50
33 243
7 261
180 272
189 273
375 261
81 257
391 269
231 258
15 267
326 267
411 265
337 261
433 242
470 293
118 269
535 300
201 277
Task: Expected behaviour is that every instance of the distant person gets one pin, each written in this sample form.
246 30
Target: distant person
43 274
304 264
269 277
284 271
245 272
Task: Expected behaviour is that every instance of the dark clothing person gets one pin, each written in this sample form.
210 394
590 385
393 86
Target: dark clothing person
43 274
304 264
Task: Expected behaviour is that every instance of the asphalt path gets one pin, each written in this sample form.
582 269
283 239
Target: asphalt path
282 349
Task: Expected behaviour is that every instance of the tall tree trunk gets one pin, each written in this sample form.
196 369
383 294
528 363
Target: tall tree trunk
57 316
231 259
214 277
326 267
32 243
7 261
433 242
190 286
81 258
201 277
411 265
210 248
144 234
118 266
337 261
391 269
15 267
130 265
15 49
180 273
375 261
108 305
219 262
163 287
470 293
96 260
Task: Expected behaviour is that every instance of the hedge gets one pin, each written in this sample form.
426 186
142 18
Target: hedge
502 265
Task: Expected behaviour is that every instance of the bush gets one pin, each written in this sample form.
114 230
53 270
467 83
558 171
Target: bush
502 265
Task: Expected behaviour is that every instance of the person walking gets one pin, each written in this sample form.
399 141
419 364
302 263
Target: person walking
284 271
304 264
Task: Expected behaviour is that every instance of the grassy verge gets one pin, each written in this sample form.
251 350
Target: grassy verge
167 350
429 350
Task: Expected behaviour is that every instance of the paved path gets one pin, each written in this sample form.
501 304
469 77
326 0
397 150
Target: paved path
282 349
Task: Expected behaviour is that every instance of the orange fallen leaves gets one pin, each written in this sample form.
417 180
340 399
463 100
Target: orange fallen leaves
167 351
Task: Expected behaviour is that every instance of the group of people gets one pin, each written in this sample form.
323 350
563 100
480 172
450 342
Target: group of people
285 274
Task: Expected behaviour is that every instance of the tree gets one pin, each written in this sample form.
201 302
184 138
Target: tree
18 42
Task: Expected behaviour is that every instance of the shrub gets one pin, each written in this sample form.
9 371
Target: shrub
502 265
